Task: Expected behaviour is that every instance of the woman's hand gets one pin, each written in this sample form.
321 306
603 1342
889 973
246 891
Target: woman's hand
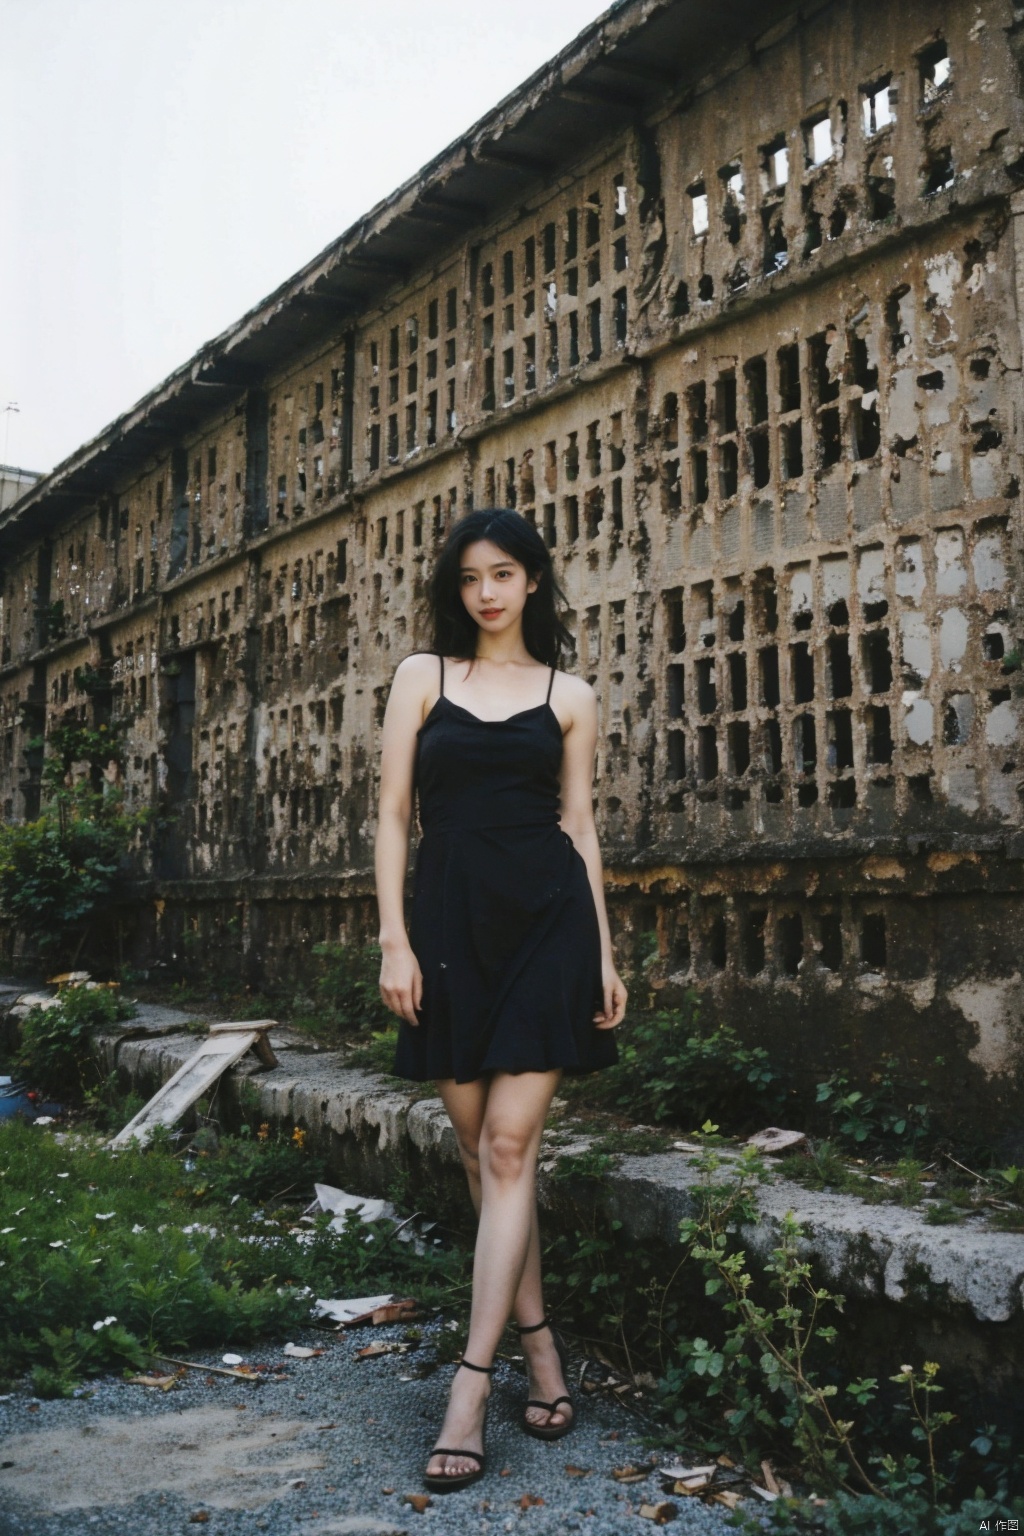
401 981
615 996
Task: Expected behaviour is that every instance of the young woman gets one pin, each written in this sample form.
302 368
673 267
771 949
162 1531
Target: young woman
505 978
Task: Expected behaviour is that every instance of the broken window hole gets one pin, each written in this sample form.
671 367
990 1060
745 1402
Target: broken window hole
735 625
879 735
790 929
737 680
768 664
939 172
935 70
707 753
873 940
738 741
877 661
789 378
716 942
802 668
839 666
707 697
840 740
805 742
826 387
830 941
753 942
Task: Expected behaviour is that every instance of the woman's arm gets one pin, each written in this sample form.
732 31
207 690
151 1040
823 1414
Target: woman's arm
577 819
401 981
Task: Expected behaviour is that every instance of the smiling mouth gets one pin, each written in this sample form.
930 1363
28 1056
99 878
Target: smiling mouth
489 613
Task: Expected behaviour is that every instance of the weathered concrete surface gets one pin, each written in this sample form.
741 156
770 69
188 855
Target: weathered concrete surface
331 1447
955 1293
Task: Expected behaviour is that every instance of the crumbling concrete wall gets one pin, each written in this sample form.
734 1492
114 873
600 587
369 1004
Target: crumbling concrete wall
752 367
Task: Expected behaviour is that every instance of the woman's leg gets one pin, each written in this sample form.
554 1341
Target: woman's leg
466 1104
515 1107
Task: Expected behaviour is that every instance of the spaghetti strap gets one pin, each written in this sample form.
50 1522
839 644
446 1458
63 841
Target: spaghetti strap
441 660
551 680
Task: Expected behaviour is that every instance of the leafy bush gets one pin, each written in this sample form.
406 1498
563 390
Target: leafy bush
110 1257
54 1055
766 1378
881 1115
349 1007
673 1068
348 986
57 871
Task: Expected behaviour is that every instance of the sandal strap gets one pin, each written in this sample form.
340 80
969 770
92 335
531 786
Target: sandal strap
545 1322
535 1402
442 1450
488 1370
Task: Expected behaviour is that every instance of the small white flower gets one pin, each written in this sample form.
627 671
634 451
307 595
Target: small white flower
105 1215
136 1229
58 1244
63 1175
5 1231
105 1323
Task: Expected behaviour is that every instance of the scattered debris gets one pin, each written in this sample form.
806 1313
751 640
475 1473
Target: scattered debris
631 1474
246 1373
661 1514
374 1351
727 1497
420 1502
225 1044
573 1471
164 1383
299 1352
338 1203
373 1310
530 1501
688 1480
232 1359
774 1140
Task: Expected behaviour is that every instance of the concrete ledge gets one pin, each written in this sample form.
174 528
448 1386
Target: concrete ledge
375 1130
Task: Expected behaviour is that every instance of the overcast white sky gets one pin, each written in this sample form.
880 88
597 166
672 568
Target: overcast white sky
163 166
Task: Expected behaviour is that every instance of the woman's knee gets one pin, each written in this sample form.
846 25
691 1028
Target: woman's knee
506 1155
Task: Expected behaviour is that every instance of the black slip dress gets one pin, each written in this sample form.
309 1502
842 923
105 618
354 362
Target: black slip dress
503 921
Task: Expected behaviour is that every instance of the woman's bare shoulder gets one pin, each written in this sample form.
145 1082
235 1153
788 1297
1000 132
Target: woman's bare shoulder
575 693
417 667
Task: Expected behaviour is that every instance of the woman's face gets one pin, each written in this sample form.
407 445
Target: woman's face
494 586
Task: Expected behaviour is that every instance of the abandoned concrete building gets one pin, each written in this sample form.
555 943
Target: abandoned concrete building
727 299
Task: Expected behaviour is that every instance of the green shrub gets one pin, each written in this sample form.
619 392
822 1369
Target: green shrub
110 1256
57 871
348 986
882 1115
673 1068
54 1055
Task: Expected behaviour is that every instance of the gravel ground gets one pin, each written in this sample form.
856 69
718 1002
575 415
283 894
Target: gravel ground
333 1448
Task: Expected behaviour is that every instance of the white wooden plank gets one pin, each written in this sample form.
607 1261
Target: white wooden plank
192 1079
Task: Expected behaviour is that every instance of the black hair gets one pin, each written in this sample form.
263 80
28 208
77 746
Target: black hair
455 632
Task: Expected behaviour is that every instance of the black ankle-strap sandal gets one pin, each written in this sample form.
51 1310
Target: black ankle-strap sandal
441 1482
549 1431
